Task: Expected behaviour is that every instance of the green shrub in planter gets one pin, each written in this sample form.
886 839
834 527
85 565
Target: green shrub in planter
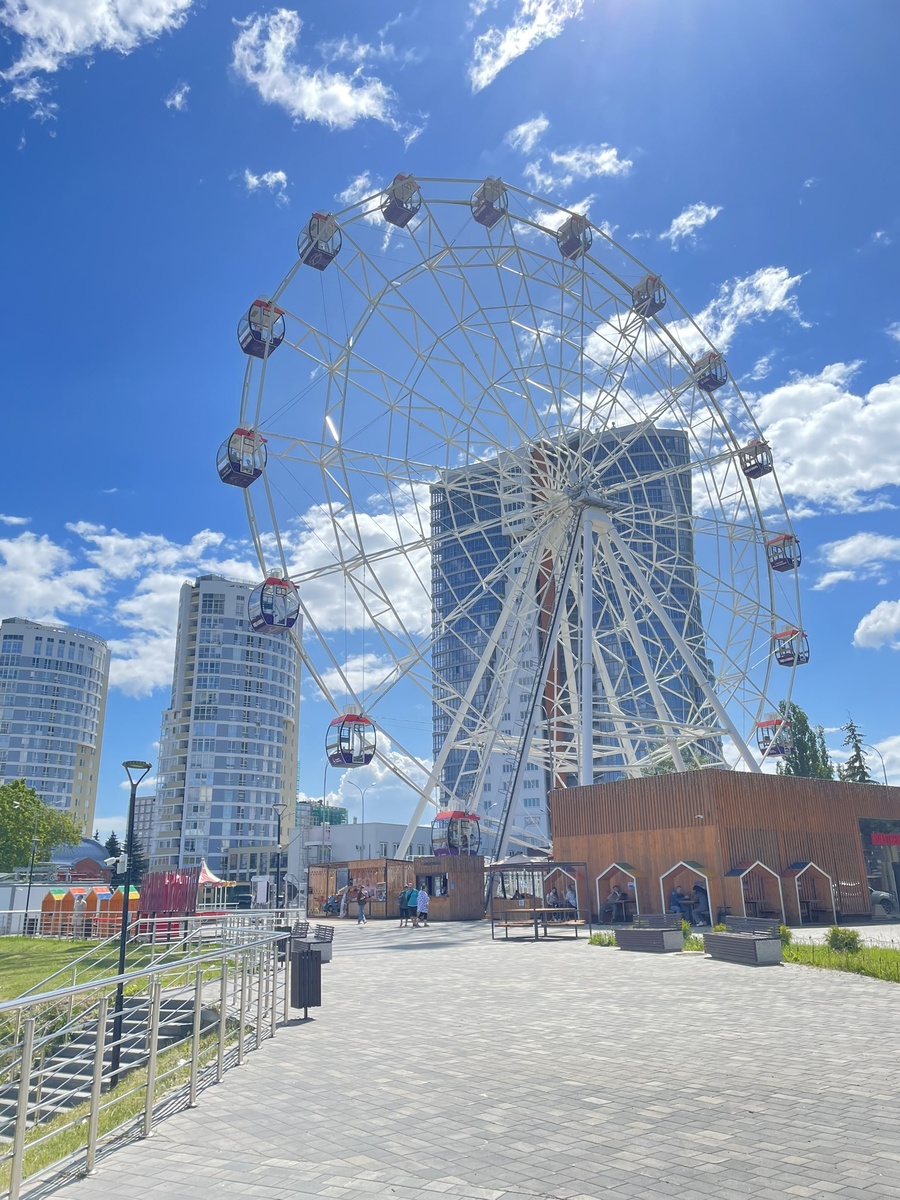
785 934
845 940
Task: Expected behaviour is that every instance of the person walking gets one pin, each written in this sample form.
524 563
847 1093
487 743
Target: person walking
422 907
403 907
412 897
362 895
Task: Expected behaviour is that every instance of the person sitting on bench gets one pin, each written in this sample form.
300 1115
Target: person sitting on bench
614 902
701 905
678 902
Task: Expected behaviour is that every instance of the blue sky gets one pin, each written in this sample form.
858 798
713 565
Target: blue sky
157 167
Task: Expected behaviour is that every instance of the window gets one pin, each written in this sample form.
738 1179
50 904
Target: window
382 849
213 602
420 850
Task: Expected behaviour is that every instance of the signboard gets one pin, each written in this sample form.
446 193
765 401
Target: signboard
886 839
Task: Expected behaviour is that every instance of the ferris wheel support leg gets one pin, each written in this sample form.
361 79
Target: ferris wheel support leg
512 604
685 652
637 641
540 683
586 774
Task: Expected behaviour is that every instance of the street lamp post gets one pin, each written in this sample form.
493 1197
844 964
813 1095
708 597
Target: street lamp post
280 808
362 796
143 767
866 746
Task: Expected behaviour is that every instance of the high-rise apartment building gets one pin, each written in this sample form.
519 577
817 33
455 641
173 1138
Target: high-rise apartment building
480 517
53 684
228 748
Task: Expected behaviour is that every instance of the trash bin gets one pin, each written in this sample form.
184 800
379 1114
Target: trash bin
306 978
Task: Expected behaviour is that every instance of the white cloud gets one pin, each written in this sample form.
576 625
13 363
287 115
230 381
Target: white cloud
881 238
264 56
890 751
581 162
686 224
526 136
359 188
273 181
177 98
761 368
54 33
740 302
8 520
880 627
861 556
353 51
811 182
834 448
361 671
894 331
534 22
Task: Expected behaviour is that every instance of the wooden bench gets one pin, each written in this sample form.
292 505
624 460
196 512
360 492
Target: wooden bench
754 941
658 933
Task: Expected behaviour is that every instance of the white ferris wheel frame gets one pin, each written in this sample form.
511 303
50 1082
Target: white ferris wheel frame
579 532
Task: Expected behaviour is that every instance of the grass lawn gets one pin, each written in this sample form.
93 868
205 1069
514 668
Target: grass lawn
24 962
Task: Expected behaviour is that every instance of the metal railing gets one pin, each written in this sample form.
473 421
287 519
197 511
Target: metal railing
185 1022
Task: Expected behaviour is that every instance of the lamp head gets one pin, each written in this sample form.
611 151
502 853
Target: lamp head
136 765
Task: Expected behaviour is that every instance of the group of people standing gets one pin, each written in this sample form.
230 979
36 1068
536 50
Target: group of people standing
412 905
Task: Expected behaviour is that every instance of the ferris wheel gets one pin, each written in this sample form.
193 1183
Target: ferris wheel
530 527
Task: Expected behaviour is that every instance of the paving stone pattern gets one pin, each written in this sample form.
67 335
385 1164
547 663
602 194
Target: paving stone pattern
442 1064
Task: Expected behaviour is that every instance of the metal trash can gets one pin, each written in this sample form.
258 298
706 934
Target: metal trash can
306 977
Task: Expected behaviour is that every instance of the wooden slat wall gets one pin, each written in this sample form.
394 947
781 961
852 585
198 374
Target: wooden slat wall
721 819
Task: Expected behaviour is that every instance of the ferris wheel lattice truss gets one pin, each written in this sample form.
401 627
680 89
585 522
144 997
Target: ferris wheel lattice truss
481 443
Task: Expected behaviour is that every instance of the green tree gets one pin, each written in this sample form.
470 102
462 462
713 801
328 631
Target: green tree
666 764
23 815
809 755
855 769
139 864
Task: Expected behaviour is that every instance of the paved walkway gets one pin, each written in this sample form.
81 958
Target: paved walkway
442 1064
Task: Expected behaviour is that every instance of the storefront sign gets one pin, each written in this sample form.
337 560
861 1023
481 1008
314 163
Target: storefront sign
886 839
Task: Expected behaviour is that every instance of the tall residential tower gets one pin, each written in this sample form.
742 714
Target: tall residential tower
228 749
53 683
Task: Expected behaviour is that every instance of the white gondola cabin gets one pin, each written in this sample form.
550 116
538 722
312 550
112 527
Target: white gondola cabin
401 201
490 202
649 296
261 331
783 552
773 736
320 243
791 648
242 458
711 372
456 833
574 237
274 606
350 741
756 459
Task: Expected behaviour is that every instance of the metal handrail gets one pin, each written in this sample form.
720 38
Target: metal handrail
49 1103
127 976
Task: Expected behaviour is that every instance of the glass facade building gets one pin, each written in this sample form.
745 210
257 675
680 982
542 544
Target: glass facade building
228 747
53 685
479 516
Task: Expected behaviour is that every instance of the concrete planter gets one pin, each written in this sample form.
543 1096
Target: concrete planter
659 941
748 948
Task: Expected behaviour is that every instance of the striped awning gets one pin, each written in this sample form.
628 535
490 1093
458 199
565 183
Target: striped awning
76 891
102 892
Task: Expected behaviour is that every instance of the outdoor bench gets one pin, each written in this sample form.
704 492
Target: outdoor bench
751 940
658 933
